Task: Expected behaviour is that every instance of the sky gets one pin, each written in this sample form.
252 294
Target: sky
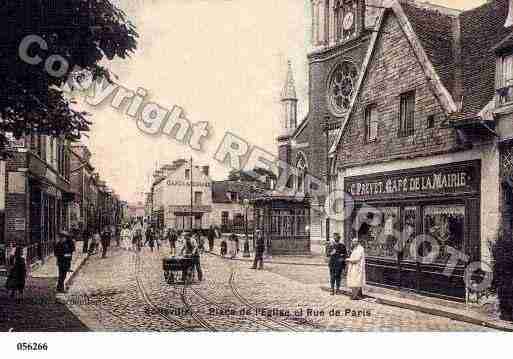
223 62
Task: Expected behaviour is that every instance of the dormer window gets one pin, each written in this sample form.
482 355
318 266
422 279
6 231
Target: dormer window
504 79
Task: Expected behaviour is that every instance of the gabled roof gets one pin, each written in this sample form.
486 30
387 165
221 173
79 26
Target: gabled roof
456 50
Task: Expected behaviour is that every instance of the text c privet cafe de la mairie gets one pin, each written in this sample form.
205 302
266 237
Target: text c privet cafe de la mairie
410 109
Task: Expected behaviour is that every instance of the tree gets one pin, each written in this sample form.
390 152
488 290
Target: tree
261 175
71 34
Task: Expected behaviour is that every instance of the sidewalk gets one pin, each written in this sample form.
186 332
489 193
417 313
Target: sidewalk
49 268
469 313
41 309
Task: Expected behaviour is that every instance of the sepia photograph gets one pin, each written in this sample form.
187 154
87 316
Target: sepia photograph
257 167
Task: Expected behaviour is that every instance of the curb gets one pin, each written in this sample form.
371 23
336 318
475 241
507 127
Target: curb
69 280
435 310
459 316
270 261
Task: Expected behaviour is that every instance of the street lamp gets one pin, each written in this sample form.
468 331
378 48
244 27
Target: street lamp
246 253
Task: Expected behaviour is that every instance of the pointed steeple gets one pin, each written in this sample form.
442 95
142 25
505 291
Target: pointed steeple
289 105
289 90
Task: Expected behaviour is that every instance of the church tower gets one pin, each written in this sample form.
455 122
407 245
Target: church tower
289 115
289 105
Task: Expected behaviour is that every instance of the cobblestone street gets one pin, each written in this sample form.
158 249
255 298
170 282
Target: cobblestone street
127 292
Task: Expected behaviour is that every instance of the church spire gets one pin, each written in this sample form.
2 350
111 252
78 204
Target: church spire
289 90
289 104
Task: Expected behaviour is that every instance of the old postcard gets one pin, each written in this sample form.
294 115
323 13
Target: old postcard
255 166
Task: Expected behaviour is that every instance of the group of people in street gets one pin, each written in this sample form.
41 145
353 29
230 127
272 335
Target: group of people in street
339 261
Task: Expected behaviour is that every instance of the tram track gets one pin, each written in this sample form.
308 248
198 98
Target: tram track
140 286
248 304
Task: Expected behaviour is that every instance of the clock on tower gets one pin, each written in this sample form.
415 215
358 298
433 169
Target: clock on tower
349 18
349 10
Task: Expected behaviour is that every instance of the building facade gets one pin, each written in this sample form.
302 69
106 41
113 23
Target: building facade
38 194
82 183
221 204
410 117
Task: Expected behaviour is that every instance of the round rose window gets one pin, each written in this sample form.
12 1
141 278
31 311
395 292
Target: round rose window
341 87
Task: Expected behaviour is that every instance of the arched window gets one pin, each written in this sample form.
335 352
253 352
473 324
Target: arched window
302 168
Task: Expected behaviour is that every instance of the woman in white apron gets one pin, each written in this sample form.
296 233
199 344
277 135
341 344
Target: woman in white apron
356 270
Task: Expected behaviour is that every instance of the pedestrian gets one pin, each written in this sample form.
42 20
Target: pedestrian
171 238
188 250
150 237
200 240
64 249
115 231
356 270
95 242
158 237
17 274
211 235
196 257
137 236
105 239
337 261
233 246
259 250
86 237
125 238
224 247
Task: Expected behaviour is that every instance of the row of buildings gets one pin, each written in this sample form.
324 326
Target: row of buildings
48 186
183 196
410 113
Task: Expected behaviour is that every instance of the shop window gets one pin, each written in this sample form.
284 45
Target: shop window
379 239
446 225
407 114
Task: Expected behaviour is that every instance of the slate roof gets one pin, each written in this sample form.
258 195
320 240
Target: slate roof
481 29
435 32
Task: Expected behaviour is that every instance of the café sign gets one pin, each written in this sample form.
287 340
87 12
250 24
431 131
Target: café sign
431 180
187 183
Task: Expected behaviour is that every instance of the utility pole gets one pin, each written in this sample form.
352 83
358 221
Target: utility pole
192 203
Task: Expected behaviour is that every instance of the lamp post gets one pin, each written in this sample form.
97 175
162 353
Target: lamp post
328 177
246 253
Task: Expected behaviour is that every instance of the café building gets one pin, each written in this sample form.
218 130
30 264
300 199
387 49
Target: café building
421 147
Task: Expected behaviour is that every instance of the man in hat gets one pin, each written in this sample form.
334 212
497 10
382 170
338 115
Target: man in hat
337 254
105 238
63 250
356 270
259 250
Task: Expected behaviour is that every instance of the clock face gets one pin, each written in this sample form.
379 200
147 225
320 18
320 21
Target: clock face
348 21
